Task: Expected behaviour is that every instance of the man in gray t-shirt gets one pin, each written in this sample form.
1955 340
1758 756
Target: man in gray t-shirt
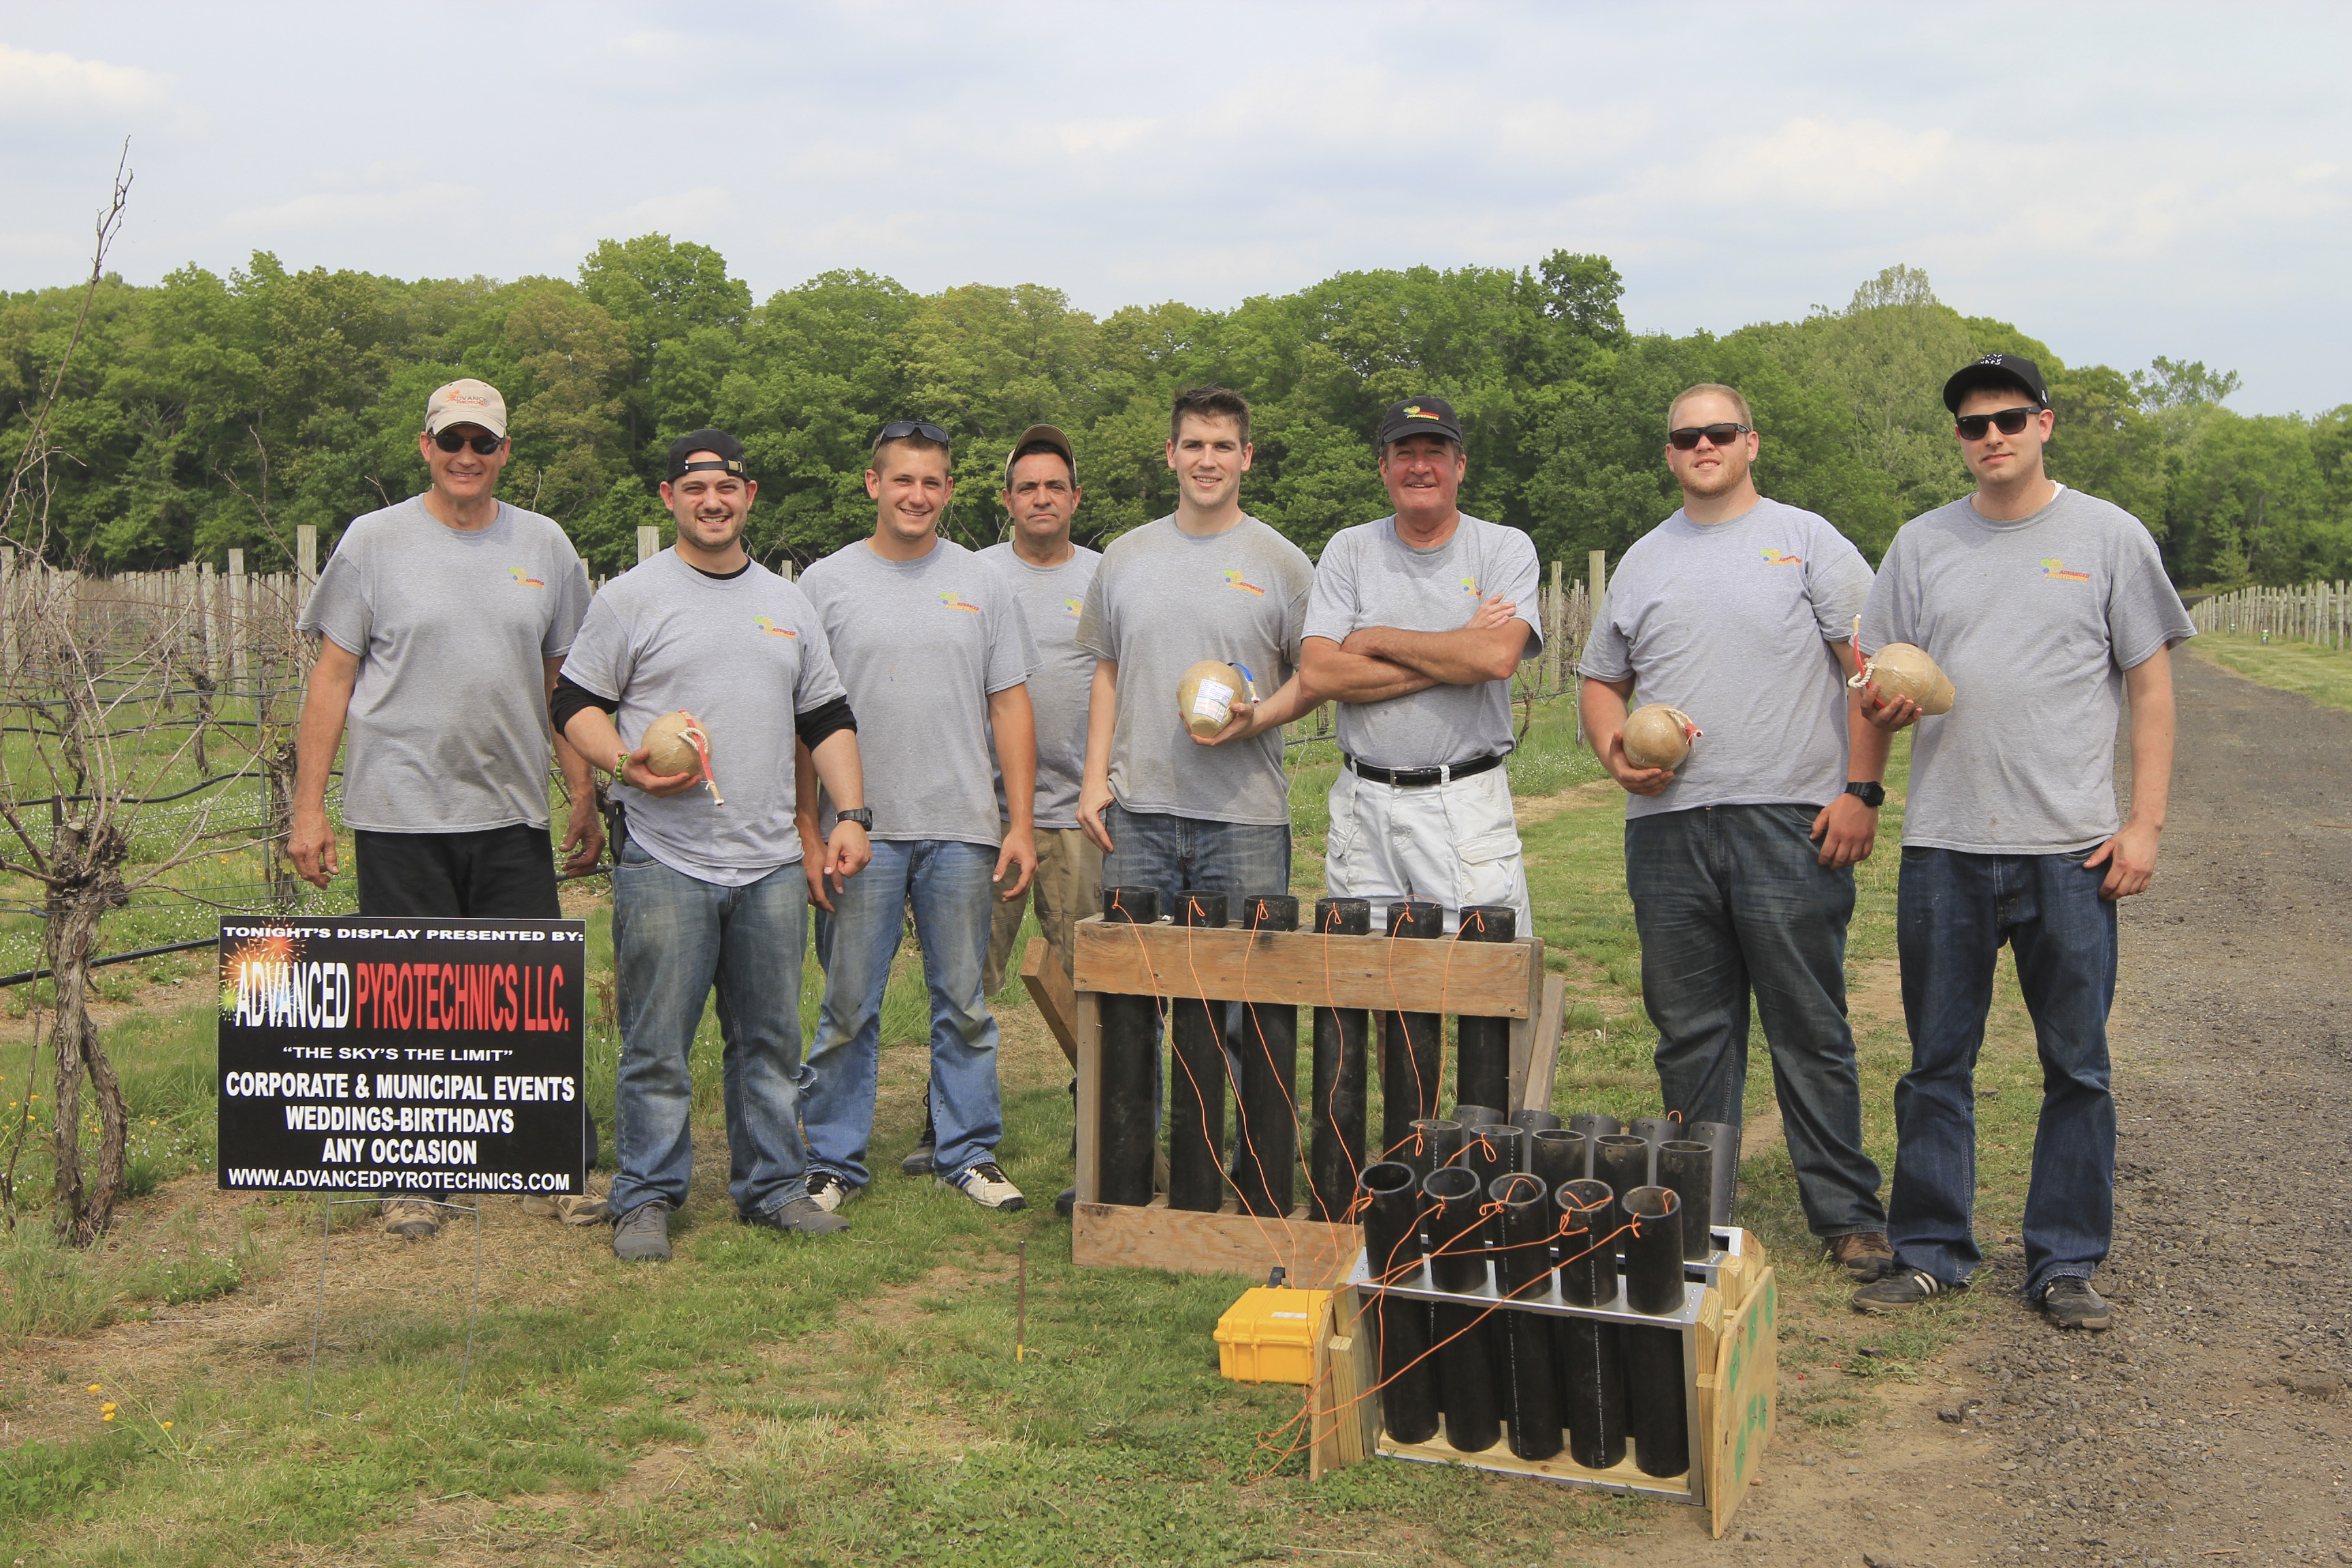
2044 607
1415 624
1739 611
441 621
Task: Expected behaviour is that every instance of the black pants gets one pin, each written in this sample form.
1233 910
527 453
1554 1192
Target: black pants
498 873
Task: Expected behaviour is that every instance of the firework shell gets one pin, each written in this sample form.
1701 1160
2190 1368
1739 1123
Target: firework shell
1657 736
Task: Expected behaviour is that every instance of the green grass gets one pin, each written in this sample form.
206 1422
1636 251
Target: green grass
2322 674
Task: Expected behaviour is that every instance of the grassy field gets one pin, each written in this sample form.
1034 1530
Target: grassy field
2322 674
769 1400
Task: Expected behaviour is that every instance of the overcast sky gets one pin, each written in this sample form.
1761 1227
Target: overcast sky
2121 182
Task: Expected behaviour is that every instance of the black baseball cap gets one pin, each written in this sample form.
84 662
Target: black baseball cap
729 450
1996 370
1419 417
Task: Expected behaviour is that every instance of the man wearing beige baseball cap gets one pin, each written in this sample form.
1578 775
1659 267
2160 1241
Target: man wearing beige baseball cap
441 623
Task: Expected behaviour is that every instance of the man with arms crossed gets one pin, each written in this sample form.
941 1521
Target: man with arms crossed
931 645
1414 626
2043 605
709 895
1208 582
441 623
1739 611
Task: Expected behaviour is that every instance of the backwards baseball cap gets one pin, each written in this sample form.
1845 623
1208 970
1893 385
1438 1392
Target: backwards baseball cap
1419 417
728 461
1996 370
1042 435
465 402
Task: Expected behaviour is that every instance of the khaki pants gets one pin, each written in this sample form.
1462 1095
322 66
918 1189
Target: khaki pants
1068 884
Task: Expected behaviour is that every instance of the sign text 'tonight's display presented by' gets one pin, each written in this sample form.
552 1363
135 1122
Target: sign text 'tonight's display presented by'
402 1056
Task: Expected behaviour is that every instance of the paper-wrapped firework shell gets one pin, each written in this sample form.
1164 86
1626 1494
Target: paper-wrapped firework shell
676 743
1901 670
1205 697
1657 736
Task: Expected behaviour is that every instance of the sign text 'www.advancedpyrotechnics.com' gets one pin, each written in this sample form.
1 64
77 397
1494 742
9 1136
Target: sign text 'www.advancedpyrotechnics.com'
406 1056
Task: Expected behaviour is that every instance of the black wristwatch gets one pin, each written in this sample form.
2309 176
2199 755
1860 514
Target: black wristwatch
1873 795
860 815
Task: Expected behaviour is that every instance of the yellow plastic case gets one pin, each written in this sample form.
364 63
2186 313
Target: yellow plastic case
1268 1336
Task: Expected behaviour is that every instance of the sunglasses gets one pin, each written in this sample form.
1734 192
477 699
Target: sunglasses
450 441
2012 421
1686 439
900 429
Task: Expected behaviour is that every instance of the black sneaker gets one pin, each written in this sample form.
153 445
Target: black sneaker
2072 1304
827 1191
1066 1202
927 1148
642 1235
801 1217
1904 1287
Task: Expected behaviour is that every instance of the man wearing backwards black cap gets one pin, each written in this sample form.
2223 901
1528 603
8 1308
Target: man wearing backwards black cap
441 622
2044 606
704 893
1415 626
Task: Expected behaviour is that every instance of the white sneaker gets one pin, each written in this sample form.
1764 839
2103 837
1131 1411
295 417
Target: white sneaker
827 1191
985 1184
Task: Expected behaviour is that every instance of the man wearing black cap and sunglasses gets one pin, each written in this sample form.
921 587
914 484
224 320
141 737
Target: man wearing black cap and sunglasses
441 623
2044 606
1415 626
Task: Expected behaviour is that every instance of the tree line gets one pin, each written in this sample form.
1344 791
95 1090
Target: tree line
205 413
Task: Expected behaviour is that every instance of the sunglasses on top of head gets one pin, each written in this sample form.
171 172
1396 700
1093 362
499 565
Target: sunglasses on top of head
1686 438
2011 421
450 441
900 429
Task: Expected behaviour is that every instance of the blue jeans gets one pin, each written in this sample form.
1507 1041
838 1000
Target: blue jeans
1953 911
947 883
673 937
1734 899
1184 854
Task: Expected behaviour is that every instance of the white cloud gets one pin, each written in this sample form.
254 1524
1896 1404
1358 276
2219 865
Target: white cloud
1821 163
34 84
1079 136
361 209
677 211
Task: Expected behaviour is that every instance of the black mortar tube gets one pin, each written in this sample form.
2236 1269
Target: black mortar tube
1429 1145
1531 1377
1411 1044
1196 1079
1622 1161
1129 1052
1475 1115
1588 1261
1457 1261
1392 1199
1723 1137
1458 1228
1657 1129
1689 1169
1265 1156
1654 1387
1335 1142
1483 1046
1592 1393
1493 1150
1595 1124
1535 1121
1557 1155
1654 1250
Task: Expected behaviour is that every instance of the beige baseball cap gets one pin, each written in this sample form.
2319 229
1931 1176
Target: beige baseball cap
1050 436
465 402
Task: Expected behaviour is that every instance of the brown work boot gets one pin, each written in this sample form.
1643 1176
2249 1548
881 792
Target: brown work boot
1865 1256
410 1221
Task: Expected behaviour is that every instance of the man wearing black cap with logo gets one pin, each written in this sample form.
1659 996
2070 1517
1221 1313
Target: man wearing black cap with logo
2045 607
1415 626
441 623
707 888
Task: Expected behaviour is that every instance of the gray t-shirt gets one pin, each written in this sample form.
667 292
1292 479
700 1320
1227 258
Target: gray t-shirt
1732 622
2035 621
742 653
1052 599
448 729
1162 601
921 645
1370 577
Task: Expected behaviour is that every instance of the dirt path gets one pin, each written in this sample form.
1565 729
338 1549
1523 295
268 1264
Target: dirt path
2213 1425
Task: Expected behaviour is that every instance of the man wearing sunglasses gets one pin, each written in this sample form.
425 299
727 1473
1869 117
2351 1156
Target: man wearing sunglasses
2045 606
1738 610
932 648
441 623
1415 627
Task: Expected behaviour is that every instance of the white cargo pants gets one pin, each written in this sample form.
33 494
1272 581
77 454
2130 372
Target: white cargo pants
1452 843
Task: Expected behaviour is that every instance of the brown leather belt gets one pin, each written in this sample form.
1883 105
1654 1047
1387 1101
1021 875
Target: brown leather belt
1410 777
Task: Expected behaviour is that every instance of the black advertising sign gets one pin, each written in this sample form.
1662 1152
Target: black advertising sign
407 1054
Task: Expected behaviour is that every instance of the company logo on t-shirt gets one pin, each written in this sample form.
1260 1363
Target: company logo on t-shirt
1782 558
955 601
1076 607
1236 579
524 578
773 630
1470 586
2053 566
